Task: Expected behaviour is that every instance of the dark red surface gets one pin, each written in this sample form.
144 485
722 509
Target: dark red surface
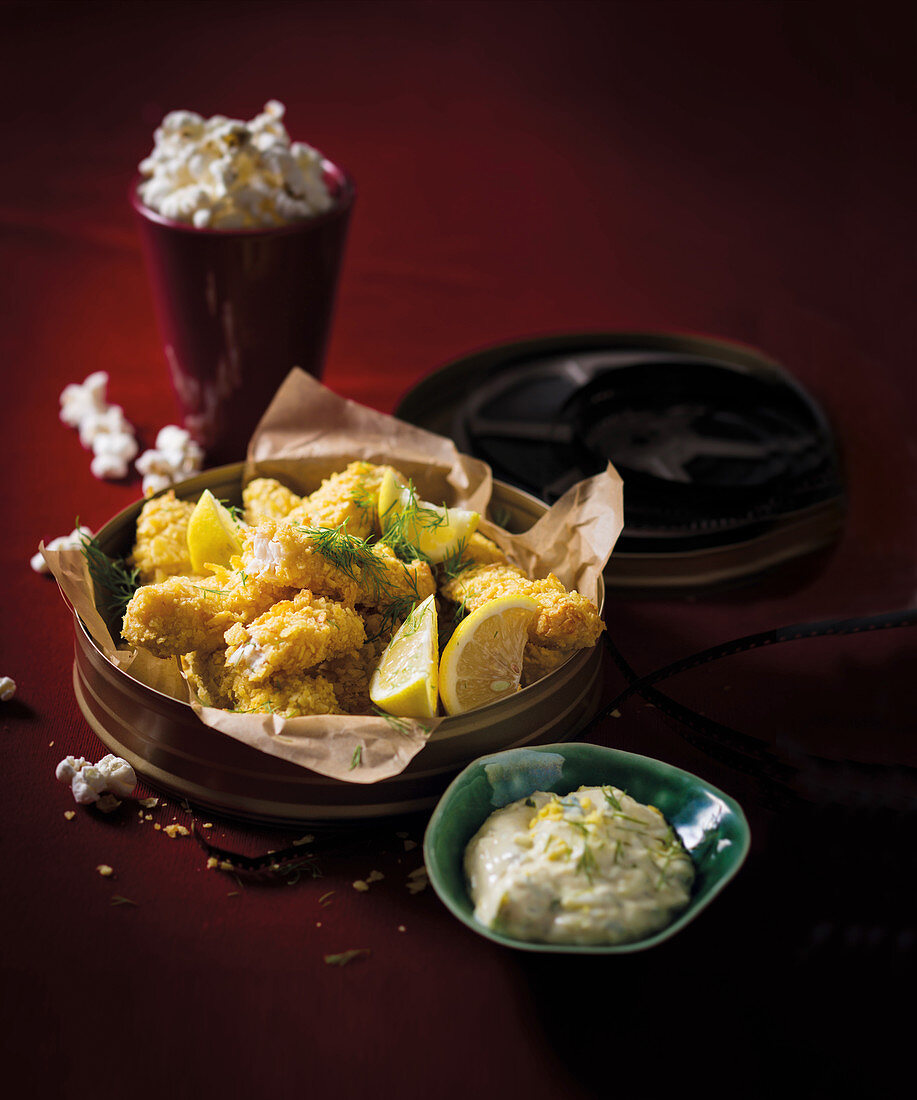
737 169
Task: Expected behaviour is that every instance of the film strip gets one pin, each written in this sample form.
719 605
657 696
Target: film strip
732 747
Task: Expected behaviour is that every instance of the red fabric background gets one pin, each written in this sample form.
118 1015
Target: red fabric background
736 169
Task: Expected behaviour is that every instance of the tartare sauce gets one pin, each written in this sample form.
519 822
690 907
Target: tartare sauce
591 867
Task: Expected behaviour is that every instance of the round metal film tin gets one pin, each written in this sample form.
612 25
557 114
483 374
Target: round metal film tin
175 752
730 467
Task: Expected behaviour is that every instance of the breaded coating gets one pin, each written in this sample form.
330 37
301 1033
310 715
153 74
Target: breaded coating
265 498
350 497
350 676
564 620
209 678
186 614
482 551
394 583
292 636
287 696
161 546
332 563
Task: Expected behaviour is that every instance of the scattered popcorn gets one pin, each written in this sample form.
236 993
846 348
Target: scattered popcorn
103 428
176 830
361 886
374 876
7 688
101 783
105 871
221 173
148 803
175 457
78 401
69 767
73 541
69 814
110 421
112 454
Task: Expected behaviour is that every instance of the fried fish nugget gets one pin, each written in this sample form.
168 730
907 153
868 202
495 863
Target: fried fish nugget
266 498
481 550
332 562
189 614
209 678
350 497
564 620
287 696
292 635
161 546
350 676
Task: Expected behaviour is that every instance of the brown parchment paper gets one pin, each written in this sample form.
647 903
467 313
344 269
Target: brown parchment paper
307 433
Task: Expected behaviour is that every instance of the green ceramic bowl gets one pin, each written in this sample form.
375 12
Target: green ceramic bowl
710 824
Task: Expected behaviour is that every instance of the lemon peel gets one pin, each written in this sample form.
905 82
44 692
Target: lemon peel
432 529
405 681
482 661
213 535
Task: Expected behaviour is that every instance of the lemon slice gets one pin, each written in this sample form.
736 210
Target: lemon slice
213 535
432 529
482 661
405 681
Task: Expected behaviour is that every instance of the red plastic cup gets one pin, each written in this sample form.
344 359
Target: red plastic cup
239 308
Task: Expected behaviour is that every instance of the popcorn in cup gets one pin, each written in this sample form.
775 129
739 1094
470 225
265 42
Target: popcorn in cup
243 233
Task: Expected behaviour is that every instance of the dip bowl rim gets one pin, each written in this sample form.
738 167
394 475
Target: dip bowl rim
718 851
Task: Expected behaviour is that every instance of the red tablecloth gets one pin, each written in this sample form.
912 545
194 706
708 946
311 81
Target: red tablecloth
743 170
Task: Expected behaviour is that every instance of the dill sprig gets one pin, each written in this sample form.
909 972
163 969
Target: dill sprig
587 862
237 513
401 526
113 581
351 554
611 798
365 499
357 759
400 725
455 562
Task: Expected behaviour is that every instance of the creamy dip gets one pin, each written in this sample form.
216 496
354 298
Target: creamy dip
594 866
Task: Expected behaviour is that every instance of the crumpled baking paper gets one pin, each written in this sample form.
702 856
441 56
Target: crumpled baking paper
306 434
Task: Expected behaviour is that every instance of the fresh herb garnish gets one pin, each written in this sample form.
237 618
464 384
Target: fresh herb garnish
351 554
611 798
357 759
455 562
113 581
237 513
400 725
586 862
401 526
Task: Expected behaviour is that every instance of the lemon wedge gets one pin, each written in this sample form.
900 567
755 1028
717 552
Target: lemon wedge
434 530
482 661
405 682
213 535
